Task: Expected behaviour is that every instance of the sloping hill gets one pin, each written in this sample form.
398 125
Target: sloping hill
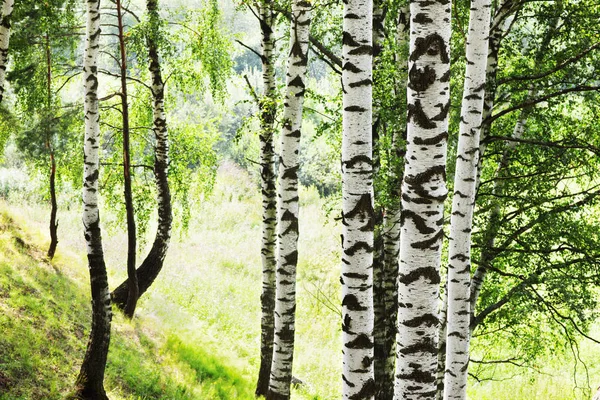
44 322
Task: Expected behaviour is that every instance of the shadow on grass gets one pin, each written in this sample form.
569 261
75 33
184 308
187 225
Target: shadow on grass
44 326
217 379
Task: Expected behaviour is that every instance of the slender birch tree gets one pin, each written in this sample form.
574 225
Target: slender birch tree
268 110
132 281
6 11
90 382
463 203
423 194
357 203
391 219
287 205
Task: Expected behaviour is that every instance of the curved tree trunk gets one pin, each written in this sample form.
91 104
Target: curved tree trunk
423 194
269 200
153 263
6 12
287 205
463 204
53 203
91 376
132 281
357 203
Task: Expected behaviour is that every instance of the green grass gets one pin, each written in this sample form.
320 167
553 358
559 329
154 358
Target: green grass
196 333
44 319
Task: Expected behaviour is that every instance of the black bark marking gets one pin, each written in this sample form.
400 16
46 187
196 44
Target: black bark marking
425 319
429 273
419 221
420 79
417 114
431 141
433 45
366 392
429 243
351 301
356 247
362 341
363 208
348 66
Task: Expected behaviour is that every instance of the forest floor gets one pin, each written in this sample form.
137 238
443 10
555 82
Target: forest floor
196 332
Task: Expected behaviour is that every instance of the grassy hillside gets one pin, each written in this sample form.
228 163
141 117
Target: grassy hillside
44 314
196 333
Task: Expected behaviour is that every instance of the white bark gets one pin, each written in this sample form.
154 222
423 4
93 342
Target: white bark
269 199
6 12
91 148
357 203
423 194
463 204
287 205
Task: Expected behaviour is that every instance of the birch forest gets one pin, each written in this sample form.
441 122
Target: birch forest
300 199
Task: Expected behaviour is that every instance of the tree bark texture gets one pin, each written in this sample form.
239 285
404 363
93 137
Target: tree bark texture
499 28
463 203
89 384
132 281
52 177
6 12
423 194
268 110
153 263
357 203
442 333
391 230
380 311
287 205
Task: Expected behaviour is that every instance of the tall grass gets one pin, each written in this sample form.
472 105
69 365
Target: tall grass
197 330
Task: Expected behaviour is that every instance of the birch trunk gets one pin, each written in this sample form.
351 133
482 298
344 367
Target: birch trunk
269 199
90 382
52 178
153 263
463 204
380 311
443 331
385 358
499 27
287 205
357 203
6 12
132 281
423 194
391 225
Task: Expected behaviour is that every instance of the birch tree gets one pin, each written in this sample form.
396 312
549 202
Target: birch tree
268 110
463 203
287 205
357 203
90 382
6 11
423 194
